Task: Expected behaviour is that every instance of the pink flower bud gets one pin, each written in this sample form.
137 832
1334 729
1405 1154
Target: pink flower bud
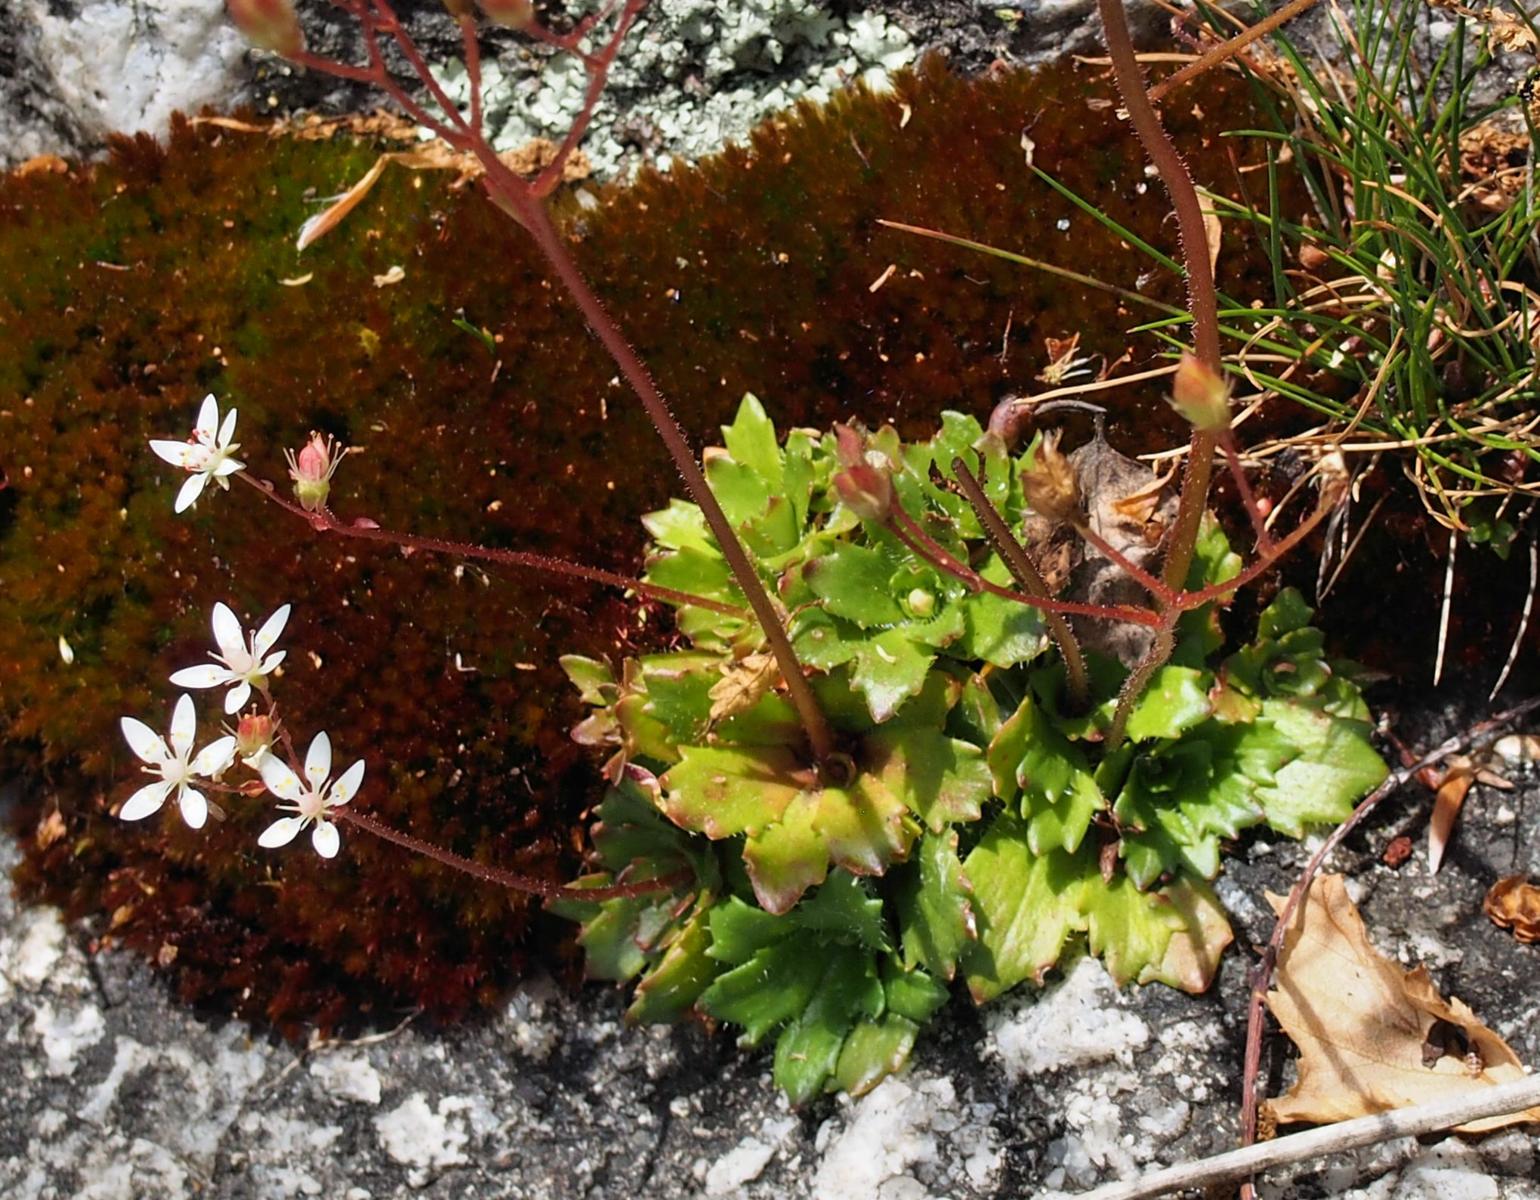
866 489
254 735
312 470
269 25
515 14
1200 395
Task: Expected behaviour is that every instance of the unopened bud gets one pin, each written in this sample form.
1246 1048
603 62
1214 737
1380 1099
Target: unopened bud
515 14
312 470
1200 395
253 737
1049 483
866 488
268 25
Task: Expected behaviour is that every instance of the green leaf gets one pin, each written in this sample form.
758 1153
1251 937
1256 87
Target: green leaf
751 440
1059 794
1175 700
872 1051
809 1048
889 669
844 909
739 931
1336 766
678 526
1026 905
941 779
767 991
935 917
685 970
594 680
999 631
1128 929
852 581
795 827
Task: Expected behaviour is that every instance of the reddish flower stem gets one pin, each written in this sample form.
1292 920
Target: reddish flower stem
327 522
1202 299
528 884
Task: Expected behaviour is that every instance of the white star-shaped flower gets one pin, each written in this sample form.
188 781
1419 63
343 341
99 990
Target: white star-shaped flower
175 764
309 798
243 659
206 454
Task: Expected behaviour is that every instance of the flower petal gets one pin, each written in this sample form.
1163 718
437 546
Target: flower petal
144 741
236 697
325 838
271 661
227 466
179 454
145 801
227 632
281 832
227 430
195 809
184 725
318 760
281 781
271 630
208 420
190 492
214 757
201 677
347 786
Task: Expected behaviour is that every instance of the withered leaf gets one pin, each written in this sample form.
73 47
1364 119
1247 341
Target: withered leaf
742 685
1514 903
1363 1025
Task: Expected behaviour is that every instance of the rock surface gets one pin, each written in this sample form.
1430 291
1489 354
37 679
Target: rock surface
696 73
115 1091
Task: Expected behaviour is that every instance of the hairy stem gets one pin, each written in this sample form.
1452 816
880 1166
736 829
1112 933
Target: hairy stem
1202 299
527 884
326 522
500 183
1024 571
926 548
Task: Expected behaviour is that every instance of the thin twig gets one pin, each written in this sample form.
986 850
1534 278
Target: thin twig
1529 608
1227 50
1498 1101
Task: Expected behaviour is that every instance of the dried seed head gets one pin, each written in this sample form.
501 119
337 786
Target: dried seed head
1201 395
269 25
1049 483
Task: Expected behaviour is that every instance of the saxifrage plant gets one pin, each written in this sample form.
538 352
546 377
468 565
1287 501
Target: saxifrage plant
866 687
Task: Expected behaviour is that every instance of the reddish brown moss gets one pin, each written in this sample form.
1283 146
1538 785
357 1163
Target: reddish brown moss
128 291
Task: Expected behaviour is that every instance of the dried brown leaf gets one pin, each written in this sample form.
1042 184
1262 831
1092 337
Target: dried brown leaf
742 685
1514 903
1372 1036
1452 790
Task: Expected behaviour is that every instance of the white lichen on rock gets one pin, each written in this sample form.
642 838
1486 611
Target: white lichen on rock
693 76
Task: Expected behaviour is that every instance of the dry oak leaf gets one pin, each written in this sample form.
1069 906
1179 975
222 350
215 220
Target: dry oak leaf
1514 903
1371 1036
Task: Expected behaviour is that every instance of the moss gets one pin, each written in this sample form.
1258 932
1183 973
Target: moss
129 290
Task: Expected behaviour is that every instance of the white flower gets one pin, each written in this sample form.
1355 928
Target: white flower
206 454
309 798
245 657
174 766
